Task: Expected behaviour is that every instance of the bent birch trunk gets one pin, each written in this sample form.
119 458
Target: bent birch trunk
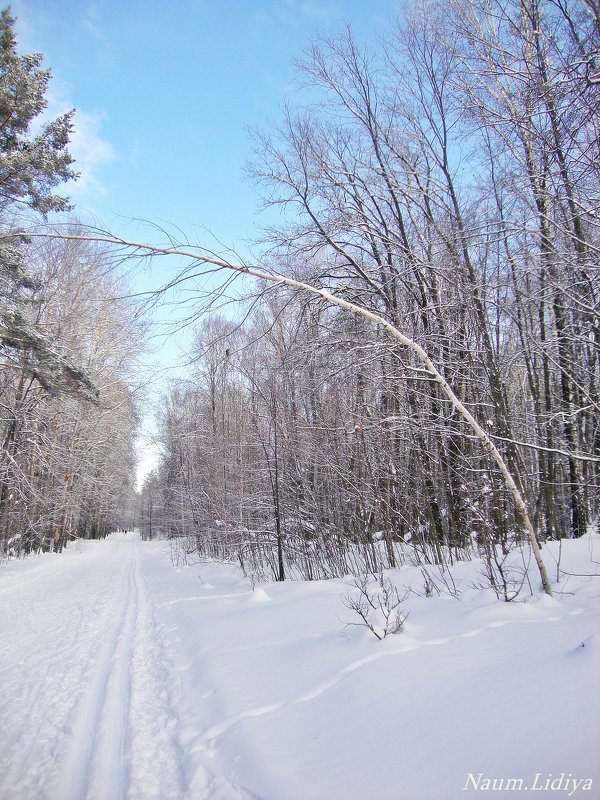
522 511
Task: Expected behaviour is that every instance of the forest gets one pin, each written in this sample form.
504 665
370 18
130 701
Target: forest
446 185
68 346
449 184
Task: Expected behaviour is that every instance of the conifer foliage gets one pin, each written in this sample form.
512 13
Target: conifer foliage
67 415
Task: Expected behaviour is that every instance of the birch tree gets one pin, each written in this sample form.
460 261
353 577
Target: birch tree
439 243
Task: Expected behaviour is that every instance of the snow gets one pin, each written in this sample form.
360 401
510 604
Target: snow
123 677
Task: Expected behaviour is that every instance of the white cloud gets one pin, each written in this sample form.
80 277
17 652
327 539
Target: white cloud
91 27
91 152
292 11
90 148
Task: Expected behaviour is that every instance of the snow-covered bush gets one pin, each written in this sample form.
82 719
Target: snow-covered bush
378 605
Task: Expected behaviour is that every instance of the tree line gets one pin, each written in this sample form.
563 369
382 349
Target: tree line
68 343
446 182
441 187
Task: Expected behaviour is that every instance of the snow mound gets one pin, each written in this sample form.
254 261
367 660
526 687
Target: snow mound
590 645
259 596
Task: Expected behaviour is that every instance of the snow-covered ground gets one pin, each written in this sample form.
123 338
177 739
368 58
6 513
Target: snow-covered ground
124 677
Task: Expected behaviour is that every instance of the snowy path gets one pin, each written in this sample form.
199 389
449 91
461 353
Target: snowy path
124 678
84 699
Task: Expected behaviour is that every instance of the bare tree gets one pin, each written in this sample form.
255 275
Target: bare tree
435 333
66 465
427 365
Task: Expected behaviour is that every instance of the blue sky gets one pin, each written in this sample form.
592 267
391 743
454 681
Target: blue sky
165 93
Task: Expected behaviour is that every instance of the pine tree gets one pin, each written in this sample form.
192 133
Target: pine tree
32 165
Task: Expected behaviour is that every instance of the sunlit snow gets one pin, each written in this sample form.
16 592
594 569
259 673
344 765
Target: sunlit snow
125 677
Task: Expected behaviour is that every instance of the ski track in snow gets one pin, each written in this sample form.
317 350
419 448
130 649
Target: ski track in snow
122 678
84 694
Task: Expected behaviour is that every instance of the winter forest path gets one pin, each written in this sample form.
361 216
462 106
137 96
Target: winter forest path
126 674
86 688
